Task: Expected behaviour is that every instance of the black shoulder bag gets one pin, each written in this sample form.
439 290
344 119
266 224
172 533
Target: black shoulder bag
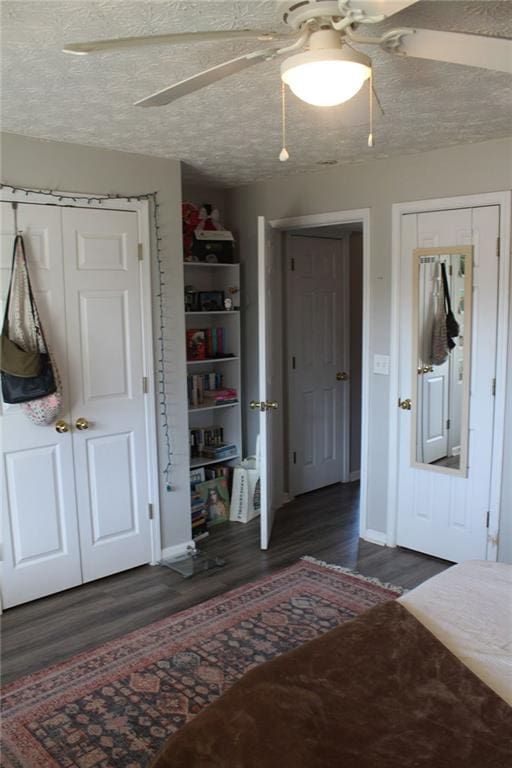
452 326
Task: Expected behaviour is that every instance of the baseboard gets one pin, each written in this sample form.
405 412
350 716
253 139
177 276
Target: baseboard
178 549
375 537
355 475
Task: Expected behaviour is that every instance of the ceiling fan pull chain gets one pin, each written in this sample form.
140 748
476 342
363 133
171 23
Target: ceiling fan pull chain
283 155
370 135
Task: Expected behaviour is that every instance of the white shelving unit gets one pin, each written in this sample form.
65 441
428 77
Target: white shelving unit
205 276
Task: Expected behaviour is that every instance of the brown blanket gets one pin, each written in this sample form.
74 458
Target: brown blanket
378 692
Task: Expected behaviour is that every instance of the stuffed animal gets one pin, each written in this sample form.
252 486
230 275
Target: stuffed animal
190 220
208 219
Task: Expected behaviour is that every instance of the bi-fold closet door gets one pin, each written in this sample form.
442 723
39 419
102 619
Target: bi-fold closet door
75 503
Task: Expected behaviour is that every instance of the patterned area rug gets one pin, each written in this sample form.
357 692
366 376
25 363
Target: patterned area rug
113 706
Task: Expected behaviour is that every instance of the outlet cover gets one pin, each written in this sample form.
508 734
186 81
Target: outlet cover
381 364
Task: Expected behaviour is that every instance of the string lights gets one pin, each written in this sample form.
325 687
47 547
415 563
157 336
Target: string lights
152 198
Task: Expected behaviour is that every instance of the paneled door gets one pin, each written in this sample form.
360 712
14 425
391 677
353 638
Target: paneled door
41 551
75 502
104 333
440 513
318 379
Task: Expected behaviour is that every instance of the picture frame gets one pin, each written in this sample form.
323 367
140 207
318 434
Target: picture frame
215 494
211 301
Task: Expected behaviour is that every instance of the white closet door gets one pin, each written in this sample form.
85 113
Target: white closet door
103 310
40 551
440 514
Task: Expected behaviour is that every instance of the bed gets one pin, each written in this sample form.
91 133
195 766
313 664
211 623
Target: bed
425 680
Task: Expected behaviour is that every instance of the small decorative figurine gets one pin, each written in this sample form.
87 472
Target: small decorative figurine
228 303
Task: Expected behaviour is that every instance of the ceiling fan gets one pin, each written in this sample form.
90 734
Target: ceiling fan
322 65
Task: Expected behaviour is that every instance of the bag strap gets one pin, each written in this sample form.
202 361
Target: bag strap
5 322
446 291
35 315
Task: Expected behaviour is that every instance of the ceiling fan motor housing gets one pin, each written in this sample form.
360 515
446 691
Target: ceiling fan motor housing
299 13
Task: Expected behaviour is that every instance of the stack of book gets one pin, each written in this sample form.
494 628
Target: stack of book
205 343
207 388
220 396
198 505
204 437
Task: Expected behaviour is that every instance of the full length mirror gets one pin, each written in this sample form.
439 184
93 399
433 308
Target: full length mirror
441 357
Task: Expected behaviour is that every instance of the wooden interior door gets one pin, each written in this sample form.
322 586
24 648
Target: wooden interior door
40 533
318 378
443 514
104 332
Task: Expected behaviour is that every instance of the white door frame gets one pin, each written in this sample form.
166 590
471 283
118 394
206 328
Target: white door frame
504 201
359 216
141 208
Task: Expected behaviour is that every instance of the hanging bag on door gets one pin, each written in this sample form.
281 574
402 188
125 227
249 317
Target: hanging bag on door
439 337
22 331
452 326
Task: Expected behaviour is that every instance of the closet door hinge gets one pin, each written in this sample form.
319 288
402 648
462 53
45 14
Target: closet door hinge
493 388
293 362
140 251
448 423
292 264
150 511
498 243
145 385
294 457
487 519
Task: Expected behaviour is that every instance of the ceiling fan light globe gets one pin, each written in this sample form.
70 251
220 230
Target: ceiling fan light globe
326 78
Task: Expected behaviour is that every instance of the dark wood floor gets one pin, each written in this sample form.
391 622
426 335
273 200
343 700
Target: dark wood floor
323 524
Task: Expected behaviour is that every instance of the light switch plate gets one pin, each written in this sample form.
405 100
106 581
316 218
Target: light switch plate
381 364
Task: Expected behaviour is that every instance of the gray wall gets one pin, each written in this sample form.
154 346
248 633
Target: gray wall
460 170
72 168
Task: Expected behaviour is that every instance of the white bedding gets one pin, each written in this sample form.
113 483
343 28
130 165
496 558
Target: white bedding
469 609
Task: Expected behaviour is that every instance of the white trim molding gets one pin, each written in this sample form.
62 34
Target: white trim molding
375 537
504 201
178 550
356 216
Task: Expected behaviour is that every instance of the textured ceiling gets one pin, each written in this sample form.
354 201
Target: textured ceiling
229 133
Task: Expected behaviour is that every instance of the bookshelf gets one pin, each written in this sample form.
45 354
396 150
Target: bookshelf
213 337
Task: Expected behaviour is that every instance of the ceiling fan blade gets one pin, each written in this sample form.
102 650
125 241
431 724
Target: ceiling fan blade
93 46
209 76
458 48
380 7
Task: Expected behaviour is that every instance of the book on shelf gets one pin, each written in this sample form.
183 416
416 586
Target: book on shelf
222 451
196 344
206 343
204 437
202 385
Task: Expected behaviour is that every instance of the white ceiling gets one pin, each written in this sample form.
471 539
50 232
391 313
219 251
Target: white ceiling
229 133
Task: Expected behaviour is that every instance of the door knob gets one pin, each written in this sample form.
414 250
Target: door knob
81 423
341 376
256 405
425 369
405 405
62 426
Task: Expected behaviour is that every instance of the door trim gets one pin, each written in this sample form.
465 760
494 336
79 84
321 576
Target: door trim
360 216
142 209
504 201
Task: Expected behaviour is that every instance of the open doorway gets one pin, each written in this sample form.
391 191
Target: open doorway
322 303
278 464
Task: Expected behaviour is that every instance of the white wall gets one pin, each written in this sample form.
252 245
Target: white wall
69 167
465 169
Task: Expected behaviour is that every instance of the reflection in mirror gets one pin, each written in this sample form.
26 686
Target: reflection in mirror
442 331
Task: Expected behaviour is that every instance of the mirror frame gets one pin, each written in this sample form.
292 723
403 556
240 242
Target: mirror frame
443 250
